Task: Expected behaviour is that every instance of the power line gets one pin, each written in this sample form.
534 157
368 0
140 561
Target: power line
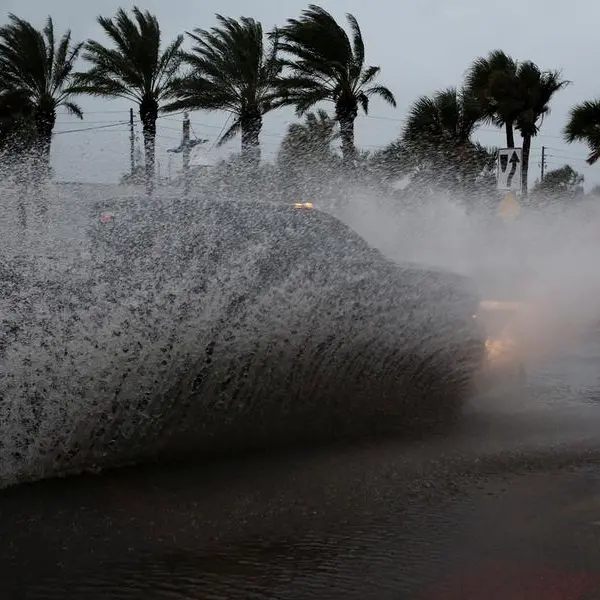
169 117
98 126
216 140
164 115
97 112
86 122
90 128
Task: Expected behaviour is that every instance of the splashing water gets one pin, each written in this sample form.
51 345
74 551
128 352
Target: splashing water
177 326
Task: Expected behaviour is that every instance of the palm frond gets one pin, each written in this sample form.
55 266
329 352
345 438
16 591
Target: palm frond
317 37
33 62
73 109
536 89
231 68
491 80
97 82
50 47
169 64
383 92
132 66
363 101
323 62
358 46
368 75
583 125
441 123
24 56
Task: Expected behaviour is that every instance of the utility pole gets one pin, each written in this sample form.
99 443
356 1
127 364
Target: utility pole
186 147
131 142
543 164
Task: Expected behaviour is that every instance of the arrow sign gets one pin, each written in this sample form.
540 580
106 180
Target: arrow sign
509 169
514 161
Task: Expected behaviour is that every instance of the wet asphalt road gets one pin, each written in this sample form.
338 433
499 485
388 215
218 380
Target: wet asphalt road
506 505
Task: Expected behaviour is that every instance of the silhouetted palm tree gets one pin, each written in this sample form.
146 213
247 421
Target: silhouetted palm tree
513 95
232 69
306 159
311 138
584 126
39 71
535 89
438 133
134 67
491 81
326 65
447 120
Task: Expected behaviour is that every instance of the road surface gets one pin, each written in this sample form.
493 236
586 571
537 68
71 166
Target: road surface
507 505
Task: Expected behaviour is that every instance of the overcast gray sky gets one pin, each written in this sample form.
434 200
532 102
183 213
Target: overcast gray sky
421 45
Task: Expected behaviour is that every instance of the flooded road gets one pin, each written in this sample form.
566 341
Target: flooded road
506 505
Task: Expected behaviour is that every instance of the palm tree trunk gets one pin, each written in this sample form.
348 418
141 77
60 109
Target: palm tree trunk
251 123
346 112
45 119
148 116
525 165
510 135
347 137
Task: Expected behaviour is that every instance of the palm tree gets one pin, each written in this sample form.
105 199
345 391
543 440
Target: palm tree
584 126
326 65
438 132
232 69
134 68
535 89
306 158
39 71
491 81
312 139
513 95
447 120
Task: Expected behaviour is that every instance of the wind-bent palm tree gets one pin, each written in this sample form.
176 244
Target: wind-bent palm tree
232 69
39 71
535 90
326 65
438 132
306 157
311 139
134 68
514 95
447 119
584 126
491 81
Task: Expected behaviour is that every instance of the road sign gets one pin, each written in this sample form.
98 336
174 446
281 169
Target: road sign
510 161
509 208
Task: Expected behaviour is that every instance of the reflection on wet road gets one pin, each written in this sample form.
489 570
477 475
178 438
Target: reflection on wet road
507 505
